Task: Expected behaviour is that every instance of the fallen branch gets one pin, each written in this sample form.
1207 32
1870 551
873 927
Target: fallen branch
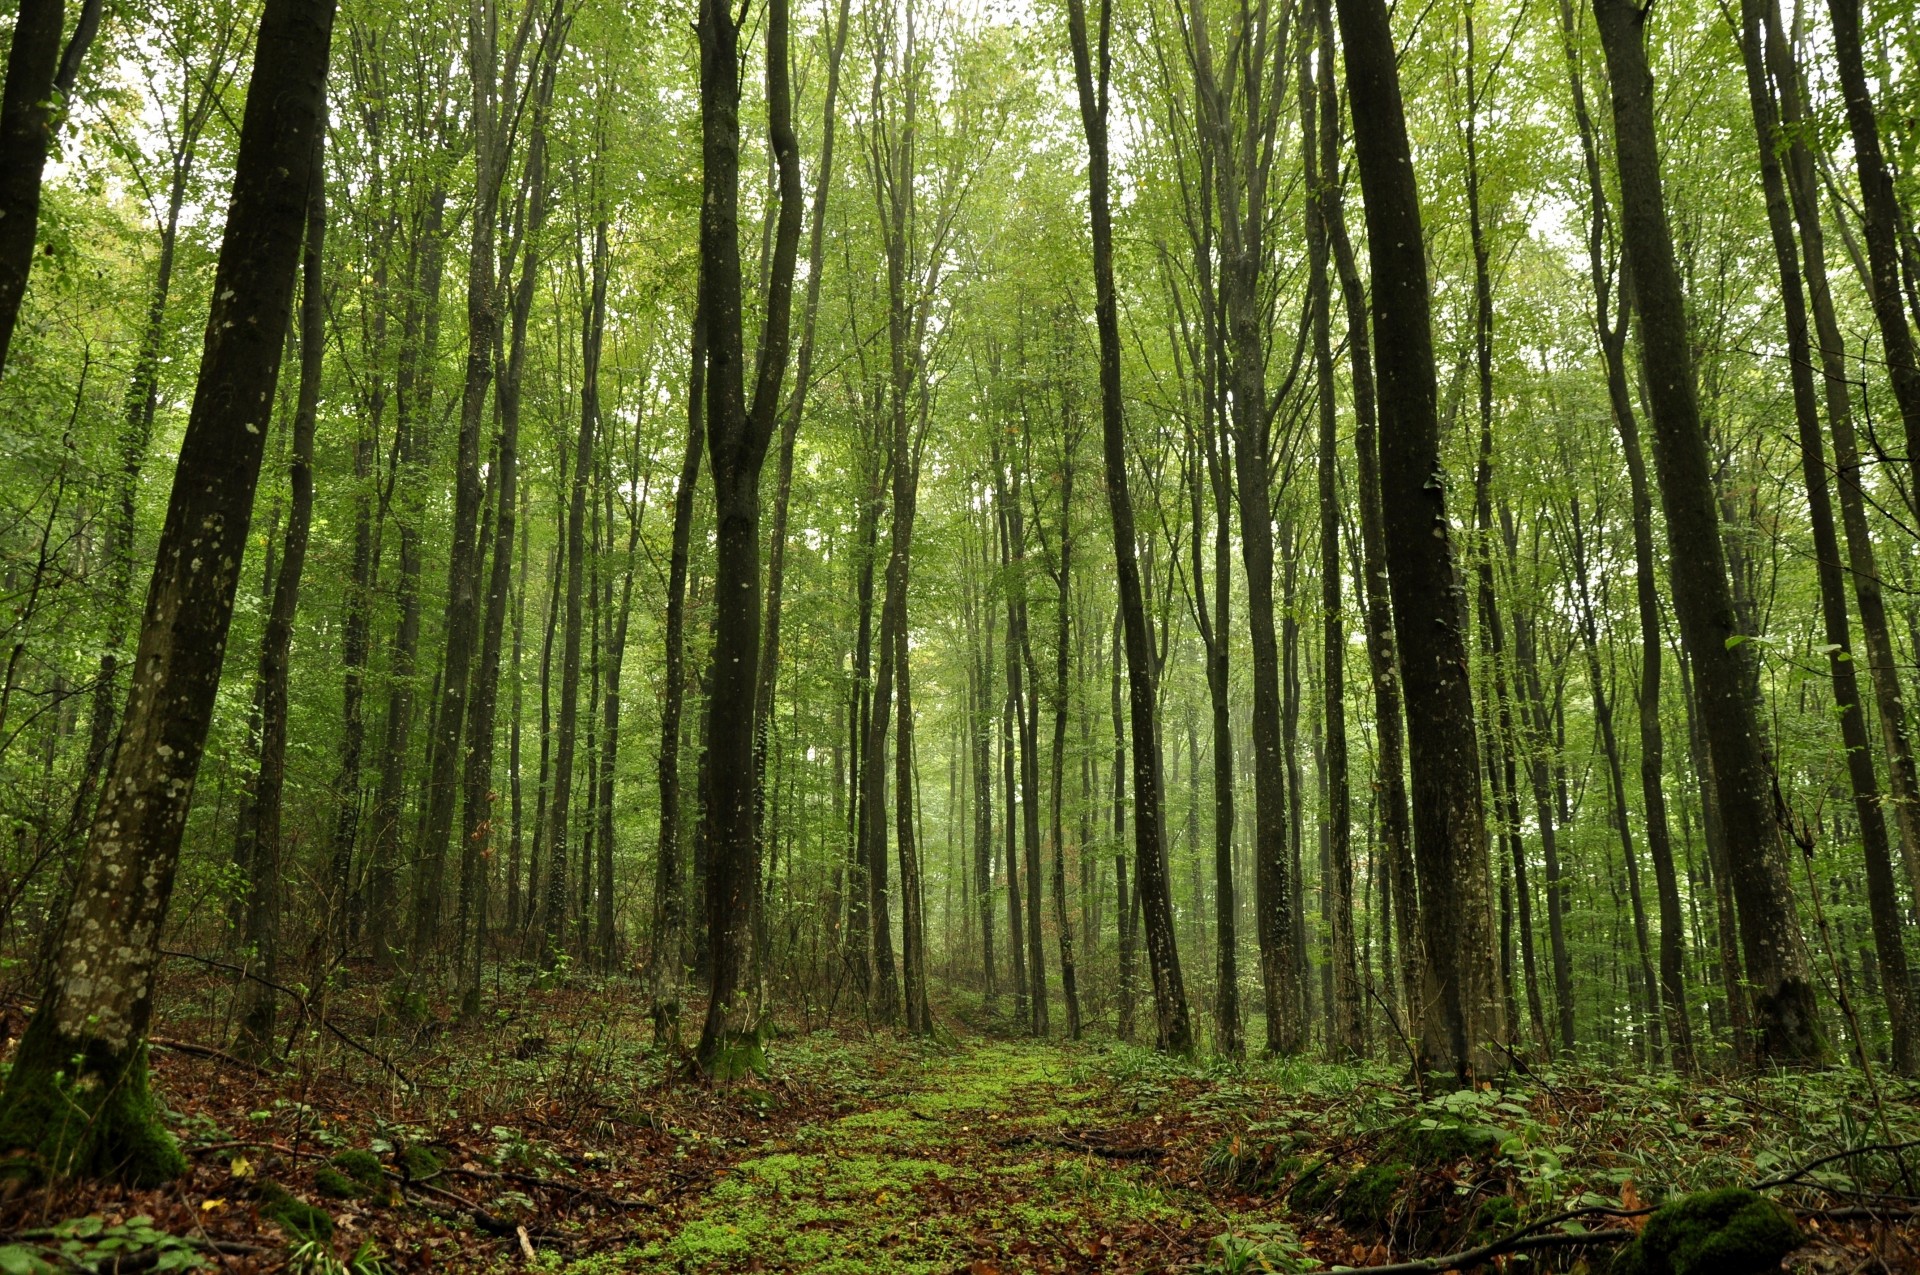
1525 1239
1473 1257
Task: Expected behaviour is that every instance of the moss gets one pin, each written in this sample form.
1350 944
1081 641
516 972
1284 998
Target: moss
1315 1188
83 1109
332 1182
421 1162
1366 1203
295 1216
1435 1144
363 1169
1732 1231
1496 1216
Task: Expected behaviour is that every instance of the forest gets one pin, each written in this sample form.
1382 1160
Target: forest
959 636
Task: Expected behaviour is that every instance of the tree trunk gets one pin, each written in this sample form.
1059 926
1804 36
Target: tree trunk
664 964
1880 220
463 567
1346 1017
419 344
1883 900
1390 796
1861 559
1724 677
1174 1032
85 1051
262 932
40 78
477 833
592 335
738 433
1460 999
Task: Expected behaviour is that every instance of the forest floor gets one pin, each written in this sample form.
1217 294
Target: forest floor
553 1138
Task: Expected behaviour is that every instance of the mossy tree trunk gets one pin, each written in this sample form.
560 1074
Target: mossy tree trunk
95 1116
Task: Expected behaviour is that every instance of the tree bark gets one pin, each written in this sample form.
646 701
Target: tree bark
85 1051
1383 661
1784 1007
1346 1017
1460 998
40 79
738 433
262 931
1883 900
1174 1032
1880 221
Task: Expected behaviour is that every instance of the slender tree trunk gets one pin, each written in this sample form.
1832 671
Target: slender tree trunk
492 138
790 427
419 342
1883 900
1174 1032
40 77
76 1096
1346 1014
478 827
1125 908
592 334
1903 786
1784 1006
1383 661
1880 207
1612 339
1460 998
738 433
664 964
262 931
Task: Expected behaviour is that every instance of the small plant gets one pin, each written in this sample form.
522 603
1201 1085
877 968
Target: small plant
88 1244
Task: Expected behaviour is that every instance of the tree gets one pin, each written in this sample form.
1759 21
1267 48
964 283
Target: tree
96 1117
1460 998
1785 1013
1174 1033
739 431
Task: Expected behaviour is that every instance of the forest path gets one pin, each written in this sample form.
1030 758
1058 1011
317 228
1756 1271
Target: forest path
999 1156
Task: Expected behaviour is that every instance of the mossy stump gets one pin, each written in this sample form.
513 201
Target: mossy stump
1732 1231
82 1108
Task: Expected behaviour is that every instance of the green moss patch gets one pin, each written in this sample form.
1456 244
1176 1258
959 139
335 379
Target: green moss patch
352 1175
1732 1231
295 1216
81 1109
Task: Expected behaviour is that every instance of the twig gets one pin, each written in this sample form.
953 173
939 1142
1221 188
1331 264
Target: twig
1787 1179
304 1004
1473 1257
208 1051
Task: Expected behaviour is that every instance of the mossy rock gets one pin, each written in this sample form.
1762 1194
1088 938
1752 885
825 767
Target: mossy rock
1732 1231
421 1162
74 1108
352 1175
1428 1145
1368 1199
295 1216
